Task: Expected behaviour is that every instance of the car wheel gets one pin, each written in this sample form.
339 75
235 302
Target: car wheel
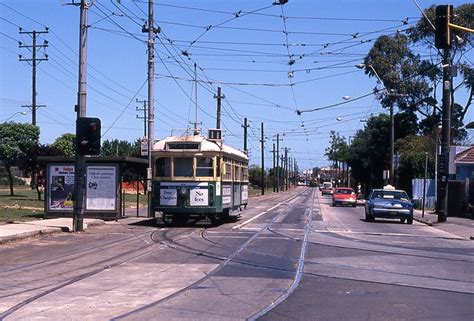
354 205
402 220
410 221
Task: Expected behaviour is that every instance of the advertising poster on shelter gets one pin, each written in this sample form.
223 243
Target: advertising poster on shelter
61 188
101 187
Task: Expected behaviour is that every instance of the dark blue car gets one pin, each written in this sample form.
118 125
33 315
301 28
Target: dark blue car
389 203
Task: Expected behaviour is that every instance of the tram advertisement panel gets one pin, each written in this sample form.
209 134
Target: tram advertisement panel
101 188
61 187
226 194
168 196
245 193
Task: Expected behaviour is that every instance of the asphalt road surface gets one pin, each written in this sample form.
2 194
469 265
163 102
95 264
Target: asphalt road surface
290 256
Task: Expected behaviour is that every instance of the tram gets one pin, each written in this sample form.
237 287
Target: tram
198 177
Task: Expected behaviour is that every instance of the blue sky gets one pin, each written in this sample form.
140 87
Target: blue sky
245 54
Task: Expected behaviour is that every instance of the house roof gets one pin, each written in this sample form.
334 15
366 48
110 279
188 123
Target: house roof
465 157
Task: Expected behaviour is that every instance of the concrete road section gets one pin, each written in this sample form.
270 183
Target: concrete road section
290 256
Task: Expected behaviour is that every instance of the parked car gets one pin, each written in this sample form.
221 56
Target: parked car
344 196
327 189
389 203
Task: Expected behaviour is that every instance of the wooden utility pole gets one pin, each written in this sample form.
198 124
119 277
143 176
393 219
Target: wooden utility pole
245 126
34 62
274 176
262 141
219 97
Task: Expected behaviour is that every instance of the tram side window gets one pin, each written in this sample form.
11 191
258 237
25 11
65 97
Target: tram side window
163 167
236 173
228 171
204 166
183 166
245 174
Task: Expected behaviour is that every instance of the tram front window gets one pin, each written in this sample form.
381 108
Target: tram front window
183 166
163 168
204 166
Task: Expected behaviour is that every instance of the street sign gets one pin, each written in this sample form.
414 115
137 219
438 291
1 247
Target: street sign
144 146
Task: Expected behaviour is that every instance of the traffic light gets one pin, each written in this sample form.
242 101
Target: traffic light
88 136
443 31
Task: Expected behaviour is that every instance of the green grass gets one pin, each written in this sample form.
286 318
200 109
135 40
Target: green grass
253 191
24 206
131 200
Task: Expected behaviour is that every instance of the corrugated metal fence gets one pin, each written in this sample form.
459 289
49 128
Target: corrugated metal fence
417 187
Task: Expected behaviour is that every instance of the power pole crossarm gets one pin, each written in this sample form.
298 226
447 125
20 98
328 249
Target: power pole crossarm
144 117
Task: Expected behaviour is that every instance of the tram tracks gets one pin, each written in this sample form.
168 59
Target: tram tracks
133 254
223 261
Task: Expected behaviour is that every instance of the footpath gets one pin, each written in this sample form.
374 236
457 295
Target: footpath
21 230
459 227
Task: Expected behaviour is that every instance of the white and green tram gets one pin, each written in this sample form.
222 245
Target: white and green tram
198 177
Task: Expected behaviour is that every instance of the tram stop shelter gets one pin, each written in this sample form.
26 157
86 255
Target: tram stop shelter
103 196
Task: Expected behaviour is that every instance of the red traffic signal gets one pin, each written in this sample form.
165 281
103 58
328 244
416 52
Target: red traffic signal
88 136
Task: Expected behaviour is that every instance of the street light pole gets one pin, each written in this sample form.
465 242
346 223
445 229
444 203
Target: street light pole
424 185
392 123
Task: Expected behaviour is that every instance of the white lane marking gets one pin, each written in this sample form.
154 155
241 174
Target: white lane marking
264 212
337 231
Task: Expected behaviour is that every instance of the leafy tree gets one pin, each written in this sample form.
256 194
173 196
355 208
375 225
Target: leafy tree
412 159
255 175
368 154
414 83
31 165
16 138
117 147
337 151
65 143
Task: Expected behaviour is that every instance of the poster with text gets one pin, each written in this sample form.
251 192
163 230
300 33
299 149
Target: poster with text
61 187
101 187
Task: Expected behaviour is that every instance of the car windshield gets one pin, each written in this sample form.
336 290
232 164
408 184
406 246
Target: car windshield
397 195
343 191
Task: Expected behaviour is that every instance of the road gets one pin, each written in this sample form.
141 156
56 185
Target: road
290 256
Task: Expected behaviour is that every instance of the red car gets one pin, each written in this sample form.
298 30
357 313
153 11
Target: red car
344 196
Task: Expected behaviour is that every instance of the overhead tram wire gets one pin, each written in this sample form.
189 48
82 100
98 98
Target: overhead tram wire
277 16
236 16
125 108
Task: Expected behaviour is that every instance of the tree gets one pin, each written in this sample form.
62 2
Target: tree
414 83
65 143
117 147
255 175
31 165
337 151
368 154
412 159
16 139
